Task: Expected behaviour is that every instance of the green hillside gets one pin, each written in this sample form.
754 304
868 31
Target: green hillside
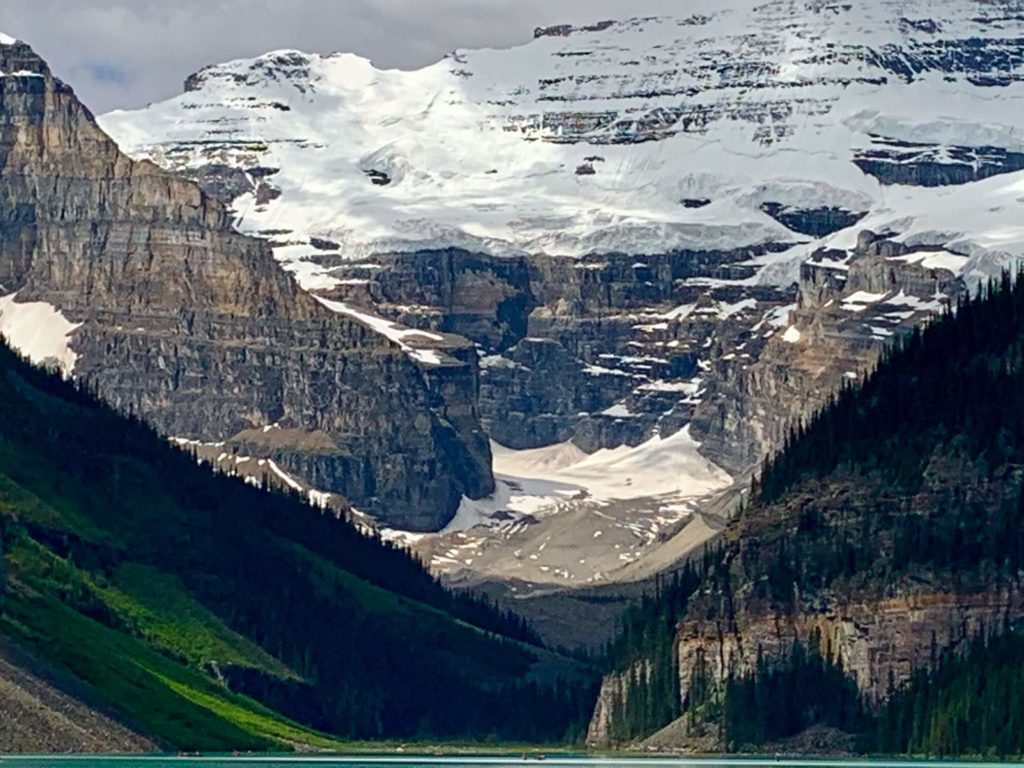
214 615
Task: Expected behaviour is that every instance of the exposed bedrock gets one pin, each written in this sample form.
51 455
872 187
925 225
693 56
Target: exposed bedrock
880 642
603 350
194 326
850 306
880 626
930 165
816 222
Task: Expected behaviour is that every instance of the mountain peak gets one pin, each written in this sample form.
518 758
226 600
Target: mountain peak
598 136
564 30
281 66
19 58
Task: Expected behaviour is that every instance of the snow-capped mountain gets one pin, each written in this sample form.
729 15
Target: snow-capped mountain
711 129
129 278
617 214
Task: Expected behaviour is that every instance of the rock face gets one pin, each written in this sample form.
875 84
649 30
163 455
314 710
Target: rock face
603 351
932 165
642 225
883 571
880 628
879 642
615 213
850 305
192 325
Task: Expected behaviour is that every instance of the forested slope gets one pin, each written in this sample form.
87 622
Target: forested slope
872 584
215 615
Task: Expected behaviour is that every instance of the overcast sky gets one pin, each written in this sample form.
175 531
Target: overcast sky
126 53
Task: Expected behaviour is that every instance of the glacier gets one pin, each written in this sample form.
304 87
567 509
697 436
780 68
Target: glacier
646 135
768 135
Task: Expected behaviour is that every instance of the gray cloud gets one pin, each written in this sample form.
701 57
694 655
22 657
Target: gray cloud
128 53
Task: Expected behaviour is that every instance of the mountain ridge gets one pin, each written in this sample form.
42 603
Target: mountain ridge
707 220
779 51
883 539
177 315
217 616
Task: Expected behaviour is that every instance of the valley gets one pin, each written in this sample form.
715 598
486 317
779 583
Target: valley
619 268
610 340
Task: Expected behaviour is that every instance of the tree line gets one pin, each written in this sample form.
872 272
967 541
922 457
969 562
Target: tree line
915 475
380 647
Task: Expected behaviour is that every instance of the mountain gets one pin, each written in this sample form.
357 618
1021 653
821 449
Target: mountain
669 238
873 584
496 151
136 281
206 613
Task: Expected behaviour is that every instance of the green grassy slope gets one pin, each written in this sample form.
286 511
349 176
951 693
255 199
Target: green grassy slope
218 616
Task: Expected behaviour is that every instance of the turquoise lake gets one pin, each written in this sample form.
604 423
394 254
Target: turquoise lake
215 761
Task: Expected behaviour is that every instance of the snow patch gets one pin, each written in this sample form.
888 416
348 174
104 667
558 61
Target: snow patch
320 498
859 301
536 481
287 479
916 303
952 262
618 411
7 39
779 317
792 335
725 311
39 332
476 151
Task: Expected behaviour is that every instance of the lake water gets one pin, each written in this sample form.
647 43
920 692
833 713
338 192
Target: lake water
214 761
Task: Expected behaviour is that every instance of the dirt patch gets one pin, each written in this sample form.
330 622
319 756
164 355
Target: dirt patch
45 711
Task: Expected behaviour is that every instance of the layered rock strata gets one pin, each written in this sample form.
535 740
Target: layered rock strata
193 326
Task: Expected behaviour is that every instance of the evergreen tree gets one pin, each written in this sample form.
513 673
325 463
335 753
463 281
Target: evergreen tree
375 646
914 475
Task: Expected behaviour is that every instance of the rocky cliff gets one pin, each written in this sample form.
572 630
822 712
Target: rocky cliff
177 317
886 533
881 626
616 213
604 351
850 305
880 642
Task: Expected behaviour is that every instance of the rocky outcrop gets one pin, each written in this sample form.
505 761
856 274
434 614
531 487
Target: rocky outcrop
613 688
609 350
816 222
892 161
849 307
192 325
604 350
827 565
485 298
879 642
